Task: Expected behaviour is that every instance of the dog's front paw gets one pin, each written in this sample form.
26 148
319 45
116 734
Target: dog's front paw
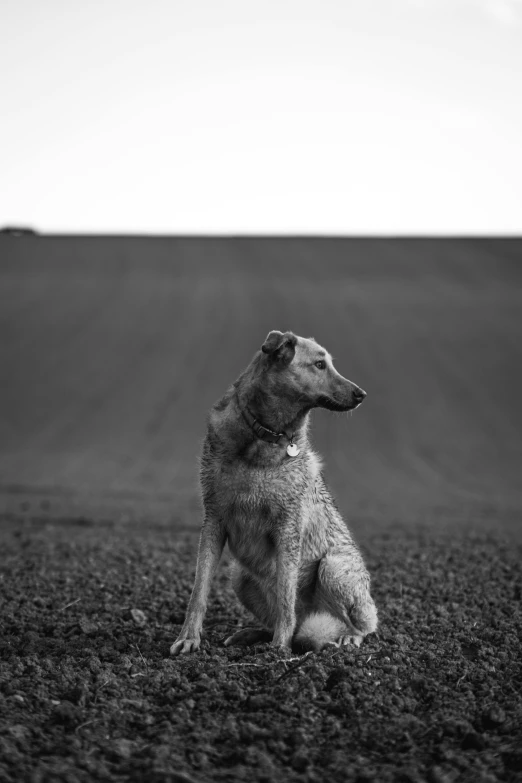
185 645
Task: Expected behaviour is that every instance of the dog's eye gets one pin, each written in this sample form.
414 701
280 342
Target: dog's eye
320 364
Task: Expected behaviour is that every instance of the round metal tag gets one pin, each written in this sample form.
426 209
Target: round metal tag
292 450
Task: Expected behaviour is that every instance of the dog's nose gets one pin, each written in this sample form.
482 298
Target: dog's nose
359 394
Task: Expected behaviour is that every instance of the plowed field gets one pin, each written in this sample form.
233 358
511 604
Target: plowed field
111 352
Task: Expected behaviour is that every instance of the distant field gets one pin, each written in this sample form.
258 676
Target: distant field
113 349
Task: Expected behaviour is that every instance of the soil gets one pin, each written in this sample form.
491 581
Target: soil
112 350
88 691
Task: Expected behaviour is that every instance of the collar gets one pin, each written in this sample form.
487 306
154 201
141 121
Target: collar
262 432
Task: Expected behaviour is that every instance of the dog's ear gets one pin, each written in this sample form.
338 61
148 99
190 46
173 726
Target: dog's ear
280 346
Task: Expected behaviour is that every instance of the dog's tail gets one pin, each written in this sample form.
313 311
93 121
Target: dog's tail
317 630
321 628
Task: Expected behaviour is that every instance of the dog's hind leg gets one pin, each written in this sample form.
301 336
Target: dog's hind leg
343 590
261 600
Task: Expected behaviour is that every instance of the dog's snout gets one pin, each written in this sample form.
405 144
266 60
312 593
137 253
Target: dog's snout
359 394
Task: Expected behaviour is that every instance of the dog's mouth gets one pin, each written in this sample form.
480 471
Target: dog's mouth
332 404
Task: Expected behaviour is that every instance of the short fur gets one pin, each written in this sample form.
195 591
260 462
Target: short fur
297 568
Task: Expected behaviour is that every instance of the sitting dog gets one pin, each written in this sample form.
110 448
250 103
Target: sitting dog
296 566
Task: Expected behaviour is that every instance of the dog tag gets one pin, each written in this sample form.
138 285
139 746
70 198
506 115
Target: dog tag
292 450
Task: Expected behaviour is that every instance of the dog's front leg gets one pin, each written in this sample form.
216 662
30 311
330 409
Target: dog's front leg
288 546
211 543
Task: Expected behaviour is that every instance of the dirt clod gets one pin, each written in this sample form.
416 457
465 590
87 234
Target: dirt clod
139 617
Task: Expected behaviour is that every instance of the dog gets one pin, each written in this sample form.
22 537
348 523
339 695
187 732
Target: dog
296 566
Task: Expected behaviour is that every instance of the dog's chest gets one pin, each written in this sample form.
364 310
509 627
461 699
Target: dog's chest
253 505
240 484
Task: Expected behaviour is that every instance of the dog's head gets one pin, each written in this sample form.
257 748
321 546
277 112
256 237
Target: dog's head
300 369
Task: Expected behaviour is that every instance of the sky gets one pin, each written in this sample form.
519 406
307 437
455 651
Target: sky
287 117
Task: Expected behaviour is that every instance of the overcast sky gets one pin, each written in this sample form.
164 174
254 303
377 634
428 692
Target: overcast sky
261 117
